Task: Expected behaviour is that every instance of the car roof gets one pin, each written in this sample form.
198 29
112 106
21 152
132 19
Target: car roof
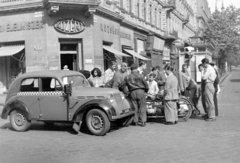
50 73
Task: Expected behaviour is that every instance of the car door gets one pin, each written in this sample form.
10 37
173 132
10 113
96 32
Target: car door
29 96
53 100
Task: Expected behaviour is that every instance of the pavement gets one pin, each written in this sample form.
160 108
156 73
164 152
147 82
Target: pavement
194 141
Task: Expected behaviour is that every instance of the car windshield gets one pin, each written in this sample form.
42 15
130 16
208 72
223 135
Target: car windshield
76 81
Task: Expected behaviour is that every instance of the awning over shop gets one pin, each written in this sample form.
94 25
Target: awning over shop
114 51
10 50
134 54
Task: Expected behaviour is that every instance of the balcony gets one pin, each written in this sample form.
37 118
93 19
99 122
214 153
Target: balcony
185 19
89 6
170 4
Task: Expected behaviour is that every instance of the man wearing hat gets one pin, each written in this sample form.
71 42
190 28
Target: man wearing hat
137 87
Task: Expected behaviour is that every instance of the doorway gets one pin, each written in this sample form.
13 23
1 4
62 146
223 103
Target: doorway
71 54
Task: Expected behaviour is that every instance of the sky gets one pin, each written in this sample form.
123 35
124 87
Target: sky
226 3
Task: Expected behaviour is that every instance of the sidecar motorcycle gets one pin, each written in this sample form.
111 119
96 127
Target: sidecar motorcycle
155 108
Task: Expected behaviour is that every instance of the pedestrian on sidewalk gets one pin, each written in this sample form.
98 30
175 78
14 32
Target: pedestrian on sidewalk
217 88
209 75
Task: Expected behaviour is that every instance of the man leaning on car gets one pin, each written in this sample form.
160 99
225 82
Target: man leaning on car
137 87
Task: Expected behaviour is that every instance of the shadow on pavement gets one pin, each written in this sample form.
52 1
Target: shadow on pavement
61 127
235 80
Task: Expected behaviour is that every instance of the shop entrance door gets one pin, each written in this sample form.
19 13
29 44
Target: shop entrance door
71 54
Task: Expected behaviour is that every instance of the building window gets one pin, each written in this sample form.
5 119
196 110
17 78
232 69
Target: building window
156 15
137 9
159 19
129 5
150 14
121 3
144 12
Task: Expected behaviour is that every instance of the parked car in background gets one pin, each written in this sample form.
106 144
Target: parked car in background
64 96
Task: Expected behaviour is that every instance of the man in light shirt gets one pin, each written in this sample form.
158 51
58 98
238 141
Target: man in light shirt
109 73
209 75
142 67
153 86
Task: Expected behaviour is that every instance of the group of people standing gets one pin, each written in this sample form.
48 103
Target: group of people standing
167 82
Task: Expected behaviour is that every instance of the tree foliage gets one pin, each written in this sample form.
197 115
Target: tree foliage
223 30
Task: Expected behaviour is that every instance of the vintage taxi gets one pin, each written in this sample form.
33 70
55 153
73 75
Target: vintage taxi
64 96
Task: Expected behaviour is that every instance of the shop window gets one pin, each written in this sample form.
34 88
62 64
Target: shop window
29 85
108 57
128 60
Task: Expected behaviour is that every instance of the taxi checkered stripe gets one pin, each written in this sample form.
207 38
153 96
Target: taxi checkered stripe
59 93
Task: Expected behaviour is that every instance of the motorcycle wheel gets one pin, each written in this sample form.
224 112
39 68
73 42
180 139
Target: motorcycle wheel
185 109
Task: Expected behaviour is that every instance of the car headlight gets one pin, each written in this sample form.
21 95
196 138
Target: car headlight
111 99
122 95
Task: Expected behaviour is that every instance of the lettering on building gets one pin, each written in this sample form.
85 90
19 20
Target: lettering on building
69 26
115 31
21 26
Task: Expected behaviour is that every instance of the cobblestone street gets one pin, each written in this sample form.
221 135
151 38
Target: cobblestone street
194 141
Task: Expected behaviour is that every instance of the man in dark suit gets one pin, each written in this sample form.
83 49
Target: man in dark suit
137 86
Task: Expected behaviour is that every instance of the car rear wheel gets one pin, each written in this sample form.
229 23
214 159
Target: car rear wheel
19 121
97 122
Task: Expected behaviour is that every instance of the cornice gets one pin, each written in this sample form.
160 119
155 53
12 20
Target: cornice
21 7
73 2
106 12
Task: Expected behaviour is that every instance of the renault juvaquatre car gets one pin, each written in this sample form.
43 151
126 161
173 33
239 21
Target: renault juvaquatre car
65 96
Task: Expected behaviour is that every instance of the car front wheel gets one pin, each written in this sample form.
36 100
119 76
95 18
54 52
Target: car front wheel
97 122
19 120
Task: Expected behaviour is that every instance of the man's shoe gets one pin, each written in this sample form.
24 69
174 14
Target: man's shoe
143 124
135 124
204 116
169 123
210 119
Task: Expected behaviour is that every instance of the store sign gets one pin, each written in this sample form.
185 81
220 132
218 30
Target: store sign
21 26
7 3
69 26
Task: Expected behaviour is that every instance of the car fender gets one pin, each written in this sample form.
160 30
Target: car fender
12 104
104 105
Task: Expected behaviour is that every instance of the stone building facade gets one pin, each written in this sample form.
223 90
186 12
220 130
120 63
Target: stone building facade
47 34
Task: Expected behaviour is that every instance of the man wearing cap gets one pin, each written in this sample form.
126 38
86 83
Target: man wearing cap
137 87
